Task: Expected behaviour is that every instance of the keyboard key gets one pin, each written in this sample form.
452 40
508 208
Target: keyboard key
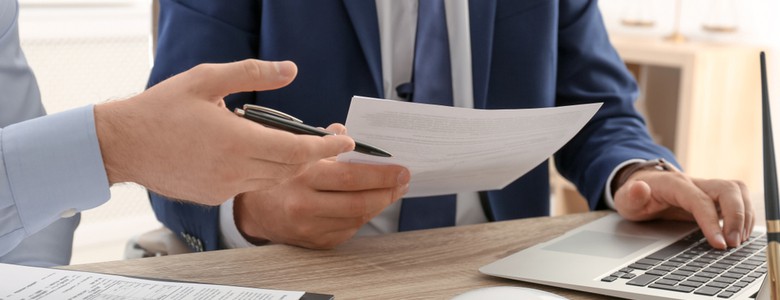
717 284
664 268
628 276
683 273
665 281
714 270
690 269
642 280
648 261
657 272
691 283
699 279
725 280
676 288
640 266
674 277
672 249
707 291
725 295
609 279
706 274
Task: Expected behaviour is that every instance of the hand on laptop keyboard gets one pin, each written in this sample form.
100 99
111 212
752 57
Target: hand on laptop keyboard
660 191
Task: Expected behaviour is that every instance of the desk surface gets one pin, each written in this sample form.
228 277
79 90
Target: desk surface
428 264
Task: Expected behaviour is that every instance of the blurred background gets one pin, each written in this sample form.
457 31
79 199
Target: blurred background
695 60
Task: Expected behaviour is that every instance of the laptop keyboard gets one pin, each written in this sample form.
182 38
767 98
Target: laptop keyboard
691 266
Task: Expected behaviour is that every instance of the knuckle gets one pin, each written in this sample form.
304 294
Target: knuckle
298 154
252 69
202 70
296 208
358 206
741 184
731 185
305 231
347 179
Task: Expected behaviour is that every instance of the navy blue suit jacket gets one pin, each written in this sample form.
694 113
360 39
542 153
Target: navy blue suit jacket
525 53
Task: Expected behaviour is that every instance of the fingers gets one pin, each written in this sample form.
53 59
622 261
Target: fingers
633 200
729 196
220 80
750 214
357 177
278 146
337 128
706 215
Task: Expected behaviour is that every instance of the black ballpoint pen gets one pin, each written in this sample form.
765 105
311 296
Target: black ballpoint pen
282 121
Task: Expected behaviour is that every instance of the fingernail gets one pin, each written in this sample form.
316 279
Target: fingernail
735 237
404 177
720 240
404 190
284 68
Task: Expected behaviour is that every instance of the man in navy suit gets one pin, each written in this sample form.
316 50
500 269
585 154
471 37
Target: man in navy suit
498 54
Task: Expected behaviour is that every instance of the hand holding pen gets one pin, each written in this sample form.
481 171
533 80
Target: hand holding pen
279 120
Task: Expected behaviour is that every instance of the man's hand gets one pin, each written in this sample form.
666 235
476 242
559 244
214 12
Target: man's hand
322 207
650 194
178 140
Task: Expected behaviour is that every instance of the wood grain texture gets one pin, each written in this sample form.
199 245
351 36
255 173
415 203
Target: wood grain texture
428 264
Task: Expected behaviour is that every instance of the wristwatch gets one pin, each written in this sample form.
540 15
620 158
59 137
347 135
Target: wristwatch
622 176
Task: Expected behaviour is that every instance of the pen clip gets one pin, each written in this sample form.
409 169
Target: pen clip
270 111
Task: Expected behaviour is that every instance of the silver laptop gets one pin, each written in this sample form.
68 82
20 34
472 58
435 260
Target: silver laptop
650 260
653 260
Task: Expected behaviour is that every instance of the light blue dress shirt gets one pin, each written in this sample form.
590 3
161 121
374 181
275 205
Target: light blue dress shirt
51 167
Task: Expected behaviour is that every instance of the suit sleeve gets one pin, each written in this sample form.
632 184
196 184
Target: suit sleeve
192 32
590 70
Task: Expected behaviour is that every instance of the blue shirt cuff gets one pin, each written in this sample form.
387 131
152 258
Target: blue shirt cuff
53 169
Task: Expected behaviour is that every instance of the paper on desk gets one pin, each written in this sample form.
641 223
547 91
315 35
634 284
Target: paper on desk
451 149
20 282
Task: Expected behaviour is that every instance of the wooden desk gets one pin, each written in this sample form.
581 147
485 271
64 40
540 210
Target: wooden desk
429 264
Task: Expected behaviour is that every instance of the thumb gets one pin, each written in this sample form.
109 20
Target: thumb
220 80
633 198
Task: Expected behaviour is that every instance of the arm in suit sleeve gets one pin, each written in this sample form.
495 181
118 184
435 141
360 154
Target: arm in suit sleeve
192 32
48 165
590 70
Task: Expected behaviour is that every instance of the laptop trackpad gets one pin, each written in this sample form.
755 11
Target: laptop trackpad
600 244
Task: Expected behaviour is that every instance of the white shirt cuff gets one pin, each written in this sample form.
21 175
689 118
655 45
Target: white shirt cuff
608 197
230 237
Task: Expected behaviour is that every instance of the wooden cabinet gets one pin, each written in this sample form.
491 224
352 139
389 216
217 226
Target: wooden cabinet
702 101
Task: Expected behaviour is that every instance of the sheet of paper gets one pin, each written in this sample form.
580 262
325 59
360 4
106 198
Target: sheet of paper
20 282
451 150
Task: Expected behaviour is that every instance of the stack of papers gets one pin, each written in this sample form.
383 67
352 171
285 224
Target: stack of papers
40 283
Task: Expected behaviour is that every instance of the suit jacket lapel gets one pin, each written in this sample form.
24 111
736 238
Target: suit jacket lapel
482 14
365 22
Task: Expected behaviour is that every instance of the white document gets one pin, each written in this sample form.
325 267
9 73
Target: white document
20 282
451 149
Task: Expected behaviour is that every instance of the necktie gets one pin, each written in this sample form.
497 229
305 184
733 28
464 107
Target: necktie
432 83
